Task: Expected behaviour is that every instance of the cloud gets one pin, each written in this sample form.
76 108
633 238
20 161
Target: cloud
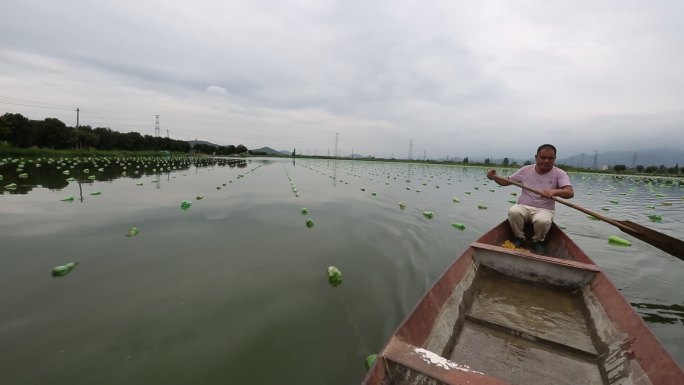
492 78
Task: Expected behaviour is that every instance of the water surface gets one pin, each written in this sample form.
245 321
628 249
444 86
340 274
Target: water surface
234 289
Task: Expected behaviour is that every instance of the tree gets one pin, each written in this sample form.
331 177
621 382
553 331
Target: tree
505 161
53 133
640 168
5 130
487 161
465 160
21 130
619 167
86 137
106 138
240 149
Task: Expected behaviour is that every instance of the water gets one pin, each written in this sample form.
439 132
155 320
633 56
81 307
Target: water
234 289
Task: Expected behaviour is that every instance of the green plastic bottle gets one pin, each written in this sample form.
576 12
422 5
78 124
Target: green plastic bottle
60 271
370 360
334 276
619 241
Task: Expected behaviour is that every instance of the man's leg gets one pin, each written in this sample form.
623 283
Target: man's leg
541 221
517 215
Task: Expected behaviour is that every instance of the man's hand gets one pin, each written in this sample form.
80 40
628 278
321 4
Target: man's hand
566 192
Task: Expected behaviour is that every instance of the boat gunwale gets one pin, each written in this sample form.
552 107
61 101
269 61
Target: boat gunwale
644 347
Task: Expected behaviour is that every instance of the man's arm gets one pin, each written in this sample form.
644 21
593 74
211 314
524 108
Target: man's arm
491 175
564 192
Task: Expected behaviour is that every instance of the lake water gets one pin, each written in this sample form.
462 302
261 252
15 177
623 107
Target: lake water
234 289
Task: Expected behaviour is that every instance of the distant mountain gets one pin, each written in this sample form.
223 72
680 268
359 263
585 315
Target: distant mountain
651 157
195 142
270 151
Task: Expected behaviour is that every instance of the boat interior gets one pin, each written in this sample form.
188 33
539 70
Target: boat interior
508 316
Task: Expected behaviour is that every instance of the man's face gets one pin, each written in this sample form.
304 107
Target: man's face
545 159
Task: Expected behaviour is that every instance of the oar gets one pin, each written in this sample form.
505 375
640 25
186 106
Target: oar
662 241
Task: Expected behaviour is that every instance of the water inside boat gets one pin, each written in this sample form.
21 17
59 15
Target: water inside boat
527 333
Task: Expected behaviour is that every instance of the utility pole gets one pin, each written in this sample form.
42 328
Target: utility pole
77 116
167 133
410 156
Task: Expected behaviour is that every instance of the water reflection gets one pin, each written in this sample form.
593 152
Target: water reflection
56 174
659 313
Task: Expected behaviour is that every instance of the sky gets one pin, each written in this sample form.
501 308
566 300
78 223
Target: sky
386 78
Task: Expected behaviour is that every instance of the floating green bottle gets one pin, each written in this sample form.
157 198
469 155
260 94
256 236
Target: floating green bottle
619 241
370 360
132 232
59 271
459 226
334 276
655 218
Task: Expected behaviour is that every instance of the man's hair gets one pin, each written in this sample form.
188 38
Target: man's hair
549 146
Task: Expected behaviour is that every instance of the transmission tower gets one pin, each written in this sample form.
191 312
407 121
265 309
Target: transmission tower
595 160
156 126
337 138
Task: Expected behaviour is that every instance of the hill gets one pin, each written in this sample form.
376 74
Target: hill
270 151
651 157
195 142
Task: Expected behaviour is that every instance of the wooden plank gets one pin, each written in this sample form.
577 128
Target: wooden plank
435 366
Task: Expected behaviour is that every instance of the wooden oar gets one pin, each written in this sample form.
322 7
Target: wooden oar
662 241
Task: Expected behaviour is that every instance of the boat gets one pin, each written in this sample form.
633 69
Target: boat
504 315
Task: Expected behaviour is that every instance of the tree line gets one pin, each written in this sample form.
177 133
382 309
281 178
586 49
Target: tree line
19 131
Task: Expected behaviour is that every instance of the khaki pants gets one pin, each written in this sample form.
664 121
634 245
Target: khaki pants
541 221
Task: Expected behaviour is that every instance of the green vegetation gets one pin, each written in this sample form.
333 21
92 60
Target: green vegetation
20 136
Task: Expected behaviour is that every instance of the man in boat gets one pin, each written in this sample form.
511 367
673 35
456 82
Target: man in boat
539 210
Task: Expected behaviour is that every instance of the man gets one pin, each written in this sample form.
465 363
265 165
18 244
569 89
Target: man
550 181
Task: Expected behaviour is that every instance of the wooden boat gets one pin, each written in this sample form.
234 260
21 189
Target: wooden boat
507 316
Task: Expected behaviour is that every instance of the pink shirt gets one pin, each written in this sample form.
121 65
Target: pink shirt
528 175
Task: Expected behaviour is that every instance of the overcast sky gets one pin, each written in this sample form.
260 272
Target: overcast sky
458 78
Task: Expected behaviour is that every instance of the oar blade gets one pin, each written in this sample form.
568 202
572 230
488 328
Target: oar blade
662 241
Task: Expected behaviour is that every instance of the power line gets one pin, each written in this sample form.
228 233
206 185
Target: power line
31 105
